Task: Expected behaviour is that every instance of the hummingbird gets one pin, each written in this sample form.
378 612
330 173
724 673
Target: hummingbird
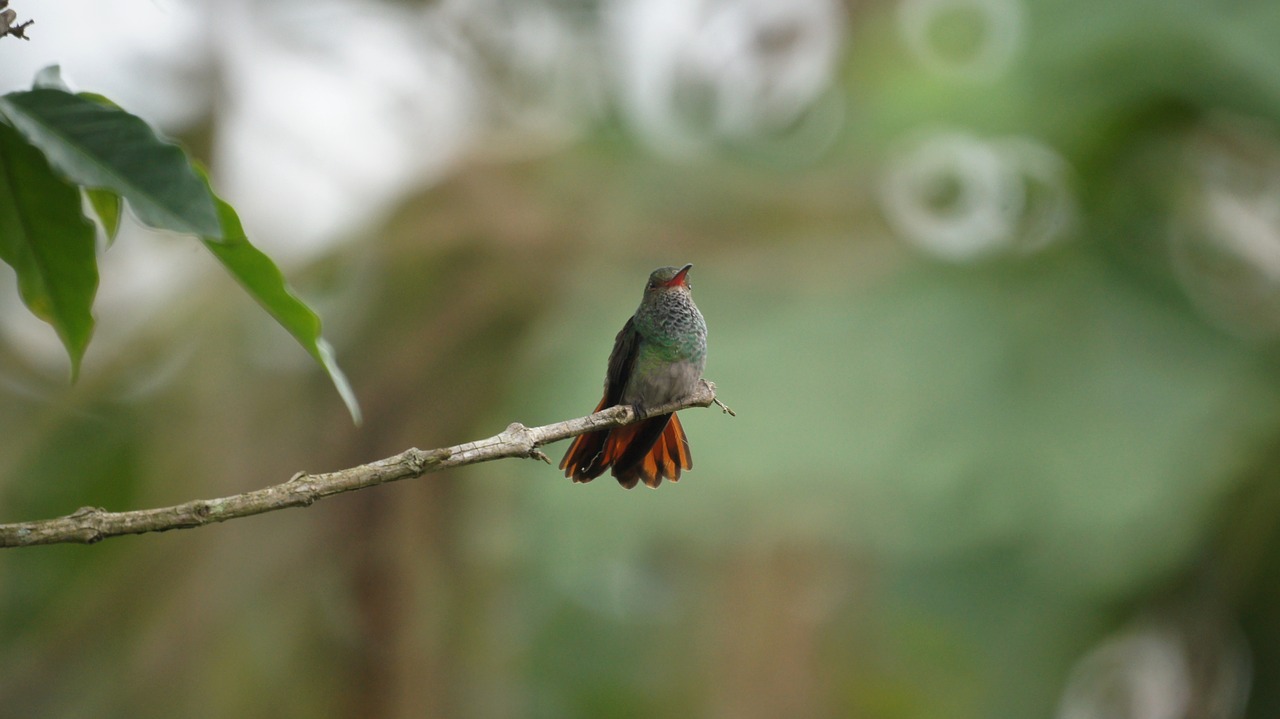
658 357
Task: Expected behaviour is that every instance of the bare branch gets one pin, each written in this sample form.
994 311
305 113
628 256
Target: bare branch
89 525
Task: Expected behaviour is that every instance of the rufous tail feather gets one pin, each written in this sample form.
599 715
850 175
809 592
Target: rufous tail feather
658 449
582 461
647 451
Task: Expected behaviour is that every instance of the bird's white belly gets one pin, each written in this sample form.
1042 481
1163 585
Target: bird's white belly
668 383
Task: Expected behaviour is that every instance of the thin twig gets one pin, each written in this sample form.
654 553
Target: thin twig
724 408
89 525
8 24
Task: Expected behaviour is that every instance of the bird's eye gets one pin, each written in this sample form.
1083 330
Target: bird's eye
653 285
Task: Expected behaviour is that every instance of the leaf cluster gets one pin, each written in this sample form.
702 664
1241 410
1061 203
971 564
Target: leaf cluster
57 147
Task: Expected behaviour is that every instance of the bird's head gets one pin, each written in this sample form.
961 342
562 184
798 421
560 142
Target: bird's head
665 279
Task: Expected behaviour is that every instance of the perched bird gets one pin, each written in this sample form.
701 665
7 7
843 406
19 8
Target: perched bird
658 357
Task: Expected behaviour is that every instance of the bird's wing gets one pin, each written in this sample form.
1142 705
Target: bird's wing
621 361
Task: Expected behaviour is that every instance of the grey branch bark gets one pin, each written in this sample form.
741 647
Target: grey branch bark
89 525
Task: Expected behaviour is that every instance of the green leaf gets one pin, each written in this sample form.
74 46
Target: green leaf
97 99
107 205
100 146
265 283
48 242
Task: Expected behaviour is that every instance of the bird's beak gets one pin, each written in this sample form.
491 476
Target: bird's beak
679 279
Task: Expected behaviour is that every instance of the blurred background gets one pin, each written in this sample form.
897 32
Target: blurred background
993 285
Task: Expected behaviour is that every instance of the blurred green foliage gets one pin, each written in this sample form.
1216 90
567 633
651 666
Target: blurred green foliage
947 486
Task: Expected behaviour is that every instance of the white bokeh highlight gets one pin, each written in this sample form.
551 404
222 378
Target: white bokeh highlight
959 198
1223 228
333 109
1001 36
692 73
